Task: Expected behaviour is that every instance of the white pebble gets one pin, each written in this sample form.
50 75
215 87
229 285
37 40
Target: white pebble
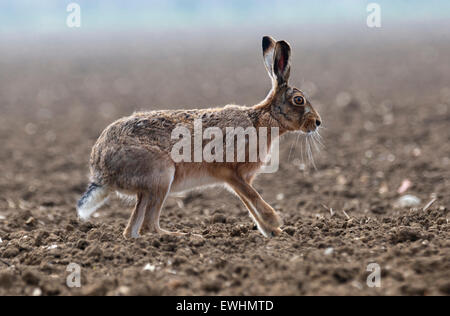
37 292
124 290
408 201
149 267
329 251
52 247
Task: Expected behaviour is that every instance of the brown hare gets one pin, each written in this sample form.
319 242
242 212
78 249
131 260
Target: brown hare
133 155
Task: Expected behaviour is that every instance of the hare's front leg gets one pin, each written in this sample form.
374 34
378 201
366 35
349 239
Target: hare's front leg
267 220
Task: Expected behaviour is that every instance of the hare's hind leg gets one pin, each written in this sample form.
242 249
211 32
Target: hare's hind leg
158 195
145 216
147 171
137 217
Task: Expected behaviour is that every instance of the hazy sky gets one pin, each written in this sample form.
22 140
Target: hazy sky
109 15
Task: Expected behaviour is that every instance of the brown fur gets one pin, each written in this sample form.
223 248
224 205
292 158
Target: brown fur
132 155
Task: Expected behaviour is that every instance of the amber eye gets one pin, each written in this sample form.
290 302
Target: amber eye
299 100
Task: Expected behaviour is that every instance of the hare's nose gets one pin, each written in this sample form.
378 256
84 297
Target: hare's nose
318 122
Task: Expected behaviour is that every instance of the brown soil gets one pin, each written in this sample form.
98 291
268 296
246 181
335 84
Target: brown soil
384 101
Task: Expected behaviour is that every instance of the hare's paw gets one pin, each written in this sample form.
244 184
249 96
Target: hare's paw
166 232
145 229
269 231
128 234
276 232
272 219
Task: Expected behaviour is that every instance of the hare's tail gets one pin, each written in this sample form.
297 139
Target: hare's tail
92 199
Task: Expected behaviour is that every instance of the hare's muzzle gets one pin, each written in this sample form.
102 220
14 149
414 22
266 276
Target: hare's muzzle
311 124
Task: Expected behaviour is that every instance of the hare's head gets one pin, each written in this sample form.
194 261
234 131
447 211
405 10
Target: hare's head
288 105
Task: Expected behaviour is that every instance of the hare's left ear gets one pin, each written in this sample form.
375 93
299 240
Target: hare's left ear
268 46
282 62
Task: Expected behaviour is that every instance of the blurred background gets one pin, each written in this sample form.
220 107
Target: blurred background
383 92
48 16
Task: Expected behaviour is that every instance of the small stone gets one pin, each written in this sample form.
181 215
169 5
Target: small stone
383 188
406 184
329 251
37 292
407 201
123 290
149 267
30 221
219 218
341 180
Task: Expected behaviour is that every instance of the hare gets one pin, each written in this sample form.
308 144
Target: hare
133 154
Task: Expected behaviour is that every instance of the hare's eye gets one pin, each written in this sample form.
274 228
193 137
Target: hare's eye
299 100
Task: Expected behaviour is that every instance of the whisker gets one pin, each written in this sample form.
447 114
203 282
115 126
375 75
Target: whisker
317 133
302 150
296 143
317 141
290 151
310 154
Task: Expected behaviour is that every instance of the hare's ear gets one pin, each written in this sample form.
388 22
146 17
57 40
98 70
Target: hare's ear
268 46
282 62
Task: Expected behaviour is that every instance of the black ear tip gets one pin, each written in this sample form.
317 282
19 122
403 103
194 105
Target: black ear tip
284 44
267 42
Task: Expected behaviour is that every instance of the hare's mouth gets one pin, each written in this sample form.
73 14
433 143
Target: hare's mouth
308 127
